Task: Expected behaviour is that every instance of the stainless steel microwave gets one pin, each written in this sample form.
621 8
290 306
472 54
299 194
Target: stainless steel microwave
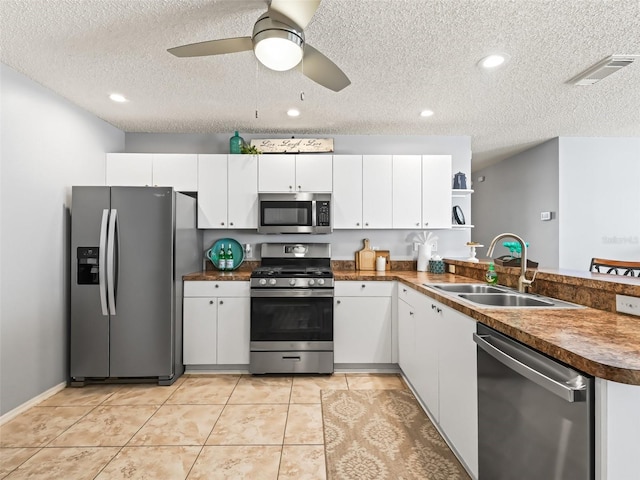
294 213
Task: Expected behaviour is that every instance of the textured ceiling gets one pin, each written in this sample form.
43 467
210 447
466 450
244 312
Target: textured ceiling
402 56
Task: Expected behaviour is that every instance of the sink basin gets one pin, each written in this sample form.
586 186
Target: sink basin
506 300
490 296
467 288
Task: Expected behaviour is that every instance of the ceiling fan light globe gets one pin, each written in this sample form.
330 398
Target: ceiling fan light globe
277 52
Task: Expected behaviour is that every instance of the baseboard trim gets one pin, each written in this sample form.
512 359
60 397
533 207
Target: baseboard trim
10 415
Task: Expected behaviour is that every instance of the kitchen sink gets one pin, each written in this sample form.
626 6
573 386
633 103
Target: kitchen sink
489 296
506 300
467 288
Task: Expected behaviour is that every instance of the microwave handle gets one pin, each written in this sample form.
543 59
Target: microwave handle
314 214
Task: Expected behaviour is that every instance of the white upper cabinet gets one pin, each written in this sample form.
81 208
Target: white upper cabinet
243 191
377 194
407 191
436 191
176 170
129 169
212 191
295 173
227 191
347 191
179 171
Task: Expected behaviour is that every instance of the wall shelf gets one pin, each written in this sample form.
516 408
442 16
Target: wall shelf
457 193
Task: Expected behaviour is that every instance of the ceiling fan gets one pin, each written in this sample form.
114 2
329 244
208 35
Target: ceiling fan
279 44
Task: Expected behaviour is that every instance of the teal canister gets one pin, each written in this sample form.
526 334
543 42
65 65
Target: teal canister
235 143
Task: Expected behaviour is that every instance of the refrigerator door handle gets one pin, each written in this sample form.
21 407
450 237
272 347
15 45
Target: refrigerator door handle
102 262
111 260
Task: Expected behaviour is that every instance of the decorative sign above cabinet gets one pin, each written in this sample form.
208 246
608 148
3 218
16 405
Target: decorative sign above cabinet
293 145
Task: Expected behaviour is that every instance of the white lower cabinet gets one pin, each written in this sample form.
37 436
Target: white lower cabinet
216 323
362 322
438 357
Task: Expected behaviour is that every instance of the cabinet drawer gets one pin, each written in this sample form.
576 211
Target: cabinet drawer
363 289
409 295
206 288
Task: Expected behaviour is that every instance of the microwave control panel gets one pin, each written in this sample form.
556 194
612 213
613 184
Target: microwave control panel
323 214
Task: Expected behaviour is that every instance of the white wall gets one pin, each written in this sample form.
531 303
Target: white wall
511 198
599 200
344 243
48 144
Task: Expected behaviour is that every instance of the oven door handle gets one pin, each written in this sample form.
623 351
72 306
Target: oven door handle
292 292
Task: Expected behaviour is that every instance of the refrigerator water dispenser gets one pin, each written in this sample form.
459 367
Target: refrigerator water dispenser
88 265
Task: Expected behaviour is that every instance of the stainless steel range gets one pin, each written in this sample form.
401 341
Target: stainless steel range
292 309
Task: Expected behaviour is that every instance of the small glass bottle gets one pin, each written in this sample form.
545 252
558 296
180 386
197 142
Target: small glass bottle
229 258
222 258
235 143
491 275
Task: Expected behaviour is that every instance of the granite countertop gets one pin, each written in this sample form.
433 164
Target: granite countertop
601 343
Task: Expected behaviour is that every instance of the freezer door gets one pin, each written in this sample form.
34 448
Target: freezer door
89 330
142 329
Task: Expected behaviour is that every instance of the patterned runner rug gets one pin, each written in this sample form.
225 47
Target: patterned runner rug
383 434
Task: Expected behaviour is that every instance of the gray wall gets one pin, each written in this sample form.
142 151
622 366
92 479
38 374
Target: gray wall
511 198
48 144
345 242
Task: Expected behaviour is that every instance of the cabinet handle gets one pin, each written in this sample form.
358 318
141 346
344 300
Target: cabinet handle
290 187
357 224
231 223
222 223
338 302
426 224
217 286
404 290
299 187
433 307
418 224
363 285
210 302
411 313
439 310
366 224
221 302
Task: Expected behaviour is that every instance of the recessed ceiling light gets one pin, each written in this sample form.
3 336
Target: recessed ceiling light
426 113
116 97
493 61
292 112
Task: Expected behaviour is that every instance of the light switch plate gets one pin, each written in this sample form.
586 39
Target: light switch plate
627 304
544 216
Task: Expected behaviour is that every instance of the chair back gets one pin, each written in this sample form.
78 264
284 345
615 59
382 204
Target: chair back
615 267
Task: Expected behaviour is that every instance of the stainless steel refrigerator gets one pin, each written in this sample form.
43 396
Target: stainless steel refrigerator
130 248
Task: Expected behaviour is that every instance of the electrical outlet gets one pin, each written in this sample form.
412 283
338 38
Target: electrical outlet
434 248
452 268
627 304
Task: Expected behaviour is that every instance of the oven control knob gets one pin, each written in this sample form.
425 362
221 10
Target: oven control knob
292 282
262 281
311 281
272 281
321 281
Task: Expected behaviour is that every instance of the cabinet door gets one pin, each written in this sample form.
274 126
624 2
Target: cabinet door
276 173
212 191
179 171
199 330
406 340
458 385
407 191
347 191
427 330
377 198
243 191
129 169
314 173
362 330
233 330
436 191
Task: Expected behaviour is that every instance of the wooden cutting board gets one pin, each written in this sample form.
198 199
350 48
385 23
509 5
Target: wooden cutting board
366 258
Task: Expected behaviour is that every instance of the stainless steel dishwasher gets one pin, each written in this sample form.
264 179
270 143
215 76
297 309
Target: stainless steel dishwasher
535 415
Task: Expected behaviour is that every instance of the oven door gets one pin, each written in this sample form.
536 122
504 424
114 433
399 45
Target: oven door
294 316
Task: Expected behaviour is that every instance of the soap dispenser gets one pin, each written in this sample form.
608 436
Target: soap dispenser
491 275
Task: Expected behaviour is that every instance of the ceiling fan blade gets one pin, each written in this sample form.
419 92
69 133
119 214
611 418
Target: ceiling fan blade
213 47
321 70
300 11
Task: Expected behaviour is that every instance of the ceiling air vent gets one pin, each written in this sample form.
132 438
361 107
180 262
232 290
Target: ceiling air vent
603 69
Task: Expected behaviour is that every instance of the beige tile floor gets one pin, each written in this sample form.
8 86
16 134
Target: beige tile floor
201 427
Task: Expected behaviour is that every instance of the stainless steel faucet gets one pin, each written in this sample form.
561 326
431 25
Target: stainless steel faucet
522 279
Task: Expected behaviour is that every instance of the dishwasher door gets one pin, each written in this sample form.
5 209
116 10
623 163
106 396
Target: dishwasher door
535 415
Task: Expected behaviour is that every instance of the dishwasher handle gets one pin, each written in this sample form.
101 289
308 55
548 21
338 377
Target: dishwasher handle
561 388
